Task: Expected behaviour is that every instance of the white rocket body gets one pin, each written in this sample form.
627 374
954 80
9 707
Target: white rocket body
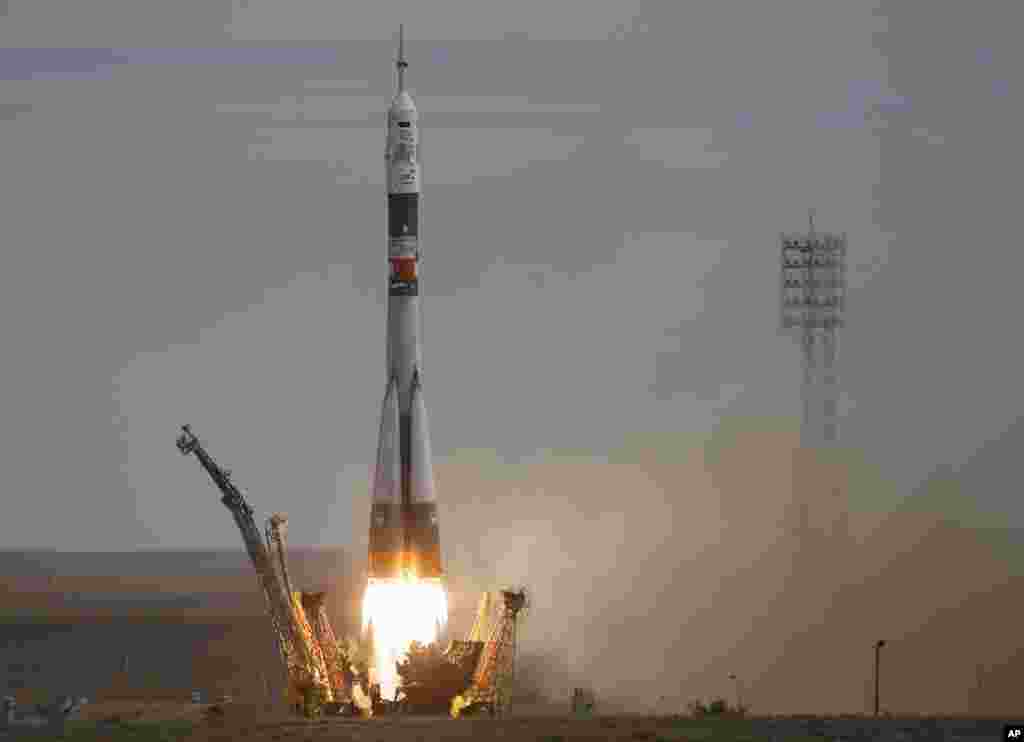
404 536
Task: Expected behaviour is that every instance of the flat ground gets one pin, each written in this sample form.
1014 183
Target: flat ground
112 721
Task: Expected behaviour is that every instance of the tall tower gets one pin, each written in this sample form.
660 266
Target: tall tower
813 300
404 536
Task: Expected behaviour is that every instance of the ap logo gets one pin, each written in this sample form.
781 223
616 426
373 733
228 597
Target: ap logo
1014 731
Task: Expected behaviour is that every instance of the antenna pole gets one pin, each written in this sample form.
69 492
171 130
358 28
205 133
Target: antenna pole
400 63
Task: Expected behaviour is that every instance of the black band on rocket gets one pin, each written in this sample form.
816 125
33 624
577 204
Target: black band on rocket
403 214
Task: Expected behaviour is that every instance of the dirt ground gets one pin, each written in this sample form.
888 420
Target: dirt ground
239 721
137 710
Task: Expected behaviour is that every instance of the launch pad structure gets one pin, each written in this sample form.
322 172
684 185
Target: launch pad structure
300 625
492 683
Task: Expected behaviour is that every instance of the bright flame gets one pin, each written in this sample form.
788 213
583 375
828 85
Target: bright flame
401 611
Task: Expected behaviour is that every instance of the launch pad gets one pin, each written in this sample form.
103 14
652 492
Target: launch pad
405 603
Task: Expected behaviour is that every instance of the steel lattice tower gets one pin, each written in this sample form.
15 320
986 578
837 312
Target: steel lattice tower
813 299
812 305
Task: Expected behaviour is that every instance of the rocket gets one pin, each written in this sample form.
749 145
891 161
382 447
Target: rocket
404 536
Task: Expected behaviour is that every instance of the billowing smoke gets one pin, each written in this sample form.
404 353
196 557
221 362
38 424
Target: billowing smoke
659 569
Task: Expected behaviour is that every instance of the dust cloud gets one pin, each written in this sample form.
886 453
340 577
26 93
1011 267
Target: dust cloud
657 570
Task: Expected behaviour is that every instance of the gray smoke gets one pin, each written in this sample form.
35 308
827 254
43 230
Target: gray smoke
658 569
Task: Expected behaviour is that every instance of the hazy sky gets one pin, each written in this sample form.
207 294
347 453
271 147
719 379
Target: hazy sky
193 230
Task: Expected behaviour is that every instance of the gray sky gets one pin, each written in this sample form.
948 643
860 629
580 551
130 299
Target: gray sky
193 222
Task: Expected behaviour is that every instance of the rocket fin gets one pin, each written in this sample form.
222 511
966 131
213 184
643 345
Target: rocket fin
386 535
422 533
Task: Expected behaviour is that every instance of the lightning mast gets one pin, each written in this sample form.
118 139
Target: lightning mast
813 301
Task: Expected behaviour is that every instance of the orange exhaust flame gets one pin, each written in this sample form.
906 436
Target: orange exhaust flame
402 611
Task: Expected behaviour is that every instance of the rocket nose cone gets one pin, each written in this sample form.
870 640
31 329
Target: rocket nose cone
403 103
